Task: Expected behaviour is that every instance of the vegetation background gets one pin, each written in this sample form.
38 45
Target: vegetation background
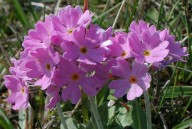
171 88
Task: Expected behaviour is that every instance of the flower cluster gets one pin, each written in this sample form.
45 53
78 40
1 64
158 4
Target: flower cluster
67 54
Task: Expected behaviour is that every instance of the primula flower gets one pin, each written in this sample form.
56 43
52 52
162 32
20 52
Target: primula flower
19 92
101 71
70 19
42 36
18 69
83 49
140 27
43 66
73 79
67 54
54 95
133 80
150 49
120 47
175 49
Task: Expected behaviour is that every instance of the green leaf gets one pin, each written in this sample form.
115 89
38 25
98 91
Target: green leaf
71 123
115 117
125 117
184 125
21 14
153 14
102 95
138 116
47 1
4 121
107 12
85 110
178 91
4 124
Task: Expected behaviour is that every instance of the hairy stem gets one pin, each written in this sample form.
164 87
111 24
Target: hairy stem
85 5
148 110
61 116
95 112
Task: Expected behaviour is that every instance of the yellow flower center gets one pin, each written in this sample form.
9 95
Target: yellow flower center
83 50
132 79
75 77
69 31
147 53
123 53
22 90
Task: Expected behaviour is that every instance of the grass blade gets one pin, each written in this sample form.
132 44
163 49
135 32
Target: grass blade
4 121
21 14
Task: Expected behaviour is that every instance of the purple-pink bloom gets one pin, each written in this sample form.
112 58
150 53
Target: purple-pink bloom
84 49
19 92
70 19
133 80
150 49
42 36
101 71
140 27
54 96
176 51
43 66
74 79
120 46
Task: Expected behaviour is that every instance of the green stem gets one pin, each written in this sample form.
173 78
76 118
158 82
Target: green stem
61 116
95 112
148 110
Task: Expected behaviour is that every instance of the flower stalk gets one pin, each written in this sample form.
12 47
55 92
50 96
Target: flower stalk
61 116
95 112
85 5
148 110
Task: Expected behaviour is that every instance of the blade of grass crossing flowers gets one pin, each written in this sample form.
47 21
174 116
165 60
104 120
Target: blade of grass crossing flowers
117 17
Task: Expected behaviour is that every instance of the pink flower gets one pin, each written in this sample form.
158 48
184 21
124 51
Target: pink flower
133 80
150 49
69 20
54 95
43 66
85 49
120 47
176 51
42 36
19 92
73 79
140 27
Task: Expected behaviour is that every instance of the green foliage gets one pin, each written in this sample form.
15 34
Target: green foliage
176 91
4 121
139 117
170 92
184 125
